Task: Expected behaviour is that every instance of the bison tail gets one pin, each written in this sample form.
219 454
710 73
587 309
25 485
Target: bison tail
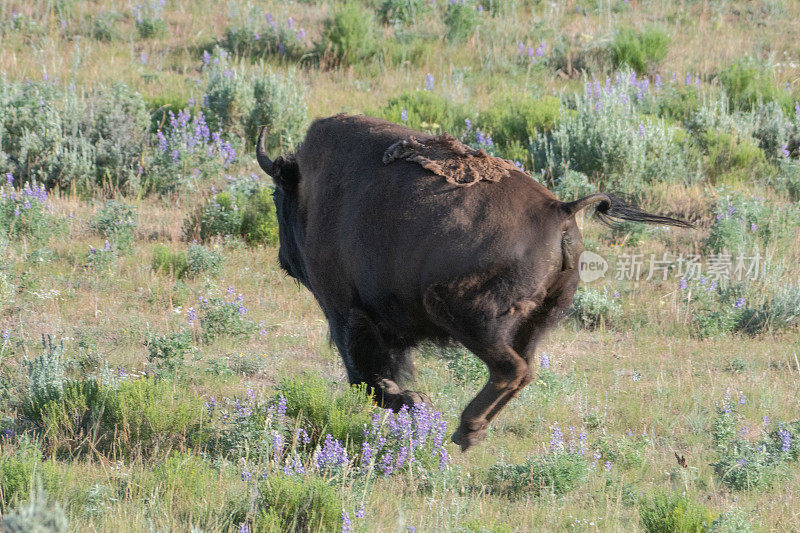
610 207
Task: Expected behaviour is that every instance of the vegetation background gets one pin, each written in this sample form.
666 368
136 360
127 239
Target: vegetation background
159 372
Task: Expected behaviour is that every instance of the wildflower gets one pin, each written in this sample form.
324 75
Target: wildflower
347 525
641 130
636 376
301 34
557 440
544 361
143 57
244 528
785 151
9 179
290 22
753 227
360 512
429 82
246 475
607 464
786 439
742 399
404 116
739 303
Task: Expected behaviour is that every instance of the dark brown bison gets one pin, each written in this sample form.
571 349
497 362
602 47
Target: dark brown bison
404 237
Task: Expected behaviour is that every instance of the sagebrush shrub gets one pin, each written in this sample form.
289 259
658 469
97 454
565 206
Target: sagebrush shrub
224 318
38 515
401 13
607 139
168 351
261 36
593 308
200 259
66 138
241 104
116 221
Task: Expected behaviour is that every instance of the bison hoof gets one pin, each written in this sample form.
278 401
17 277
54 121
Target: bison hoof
410 398
467 439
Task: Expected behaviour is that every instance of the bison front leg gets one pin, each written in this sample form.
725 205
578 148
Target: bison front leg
378 363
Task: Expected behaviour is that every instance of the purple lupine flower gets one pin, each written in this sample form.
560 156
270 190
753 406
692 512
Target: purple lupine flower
544 361
280 410
290 22
429 82
360 512
277 446
658 82
636 376
641 129
444 458
143 57
9 179
557 439
302 436
211 405
404 116
688 79
607 464
246 475
784 151
8 433
347 525
366 453
742 399
786 439
521 48
540 50
739 303
244 528
301 34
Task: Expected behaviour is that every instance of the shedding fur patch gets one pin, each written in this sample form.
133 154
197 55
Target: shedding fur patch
446 156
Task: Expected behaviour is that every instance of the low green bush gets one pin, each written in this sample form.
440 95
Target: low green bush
747 83
401 13
640 50
556 473
425 110
168 351
461 19
348 36
664 512
116 221
343 415
297 503
165 261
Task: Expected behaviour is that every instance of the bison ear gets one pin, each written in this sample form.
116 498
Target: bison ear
286 173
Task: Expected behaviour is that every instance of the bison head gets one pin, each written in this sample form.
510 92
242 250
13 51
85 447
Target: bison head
291 233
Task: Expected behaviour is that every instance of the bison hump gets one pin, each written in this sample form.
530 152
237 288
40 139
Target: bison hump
448 157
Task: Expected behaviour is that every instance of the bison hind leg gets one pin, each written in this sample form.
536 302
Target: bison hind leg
379 362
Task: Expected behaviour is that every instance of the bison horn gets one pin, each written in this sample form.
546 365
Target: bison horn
261 153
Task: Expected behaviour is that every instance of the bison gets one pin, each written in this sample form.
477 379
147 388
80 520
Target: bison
404 237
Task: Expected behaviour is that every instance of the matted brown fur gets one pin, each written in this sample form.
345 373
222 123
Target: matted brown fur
448 157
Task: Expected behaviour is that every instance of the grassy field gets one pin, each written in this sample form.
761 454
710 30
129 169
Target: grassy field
158 371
